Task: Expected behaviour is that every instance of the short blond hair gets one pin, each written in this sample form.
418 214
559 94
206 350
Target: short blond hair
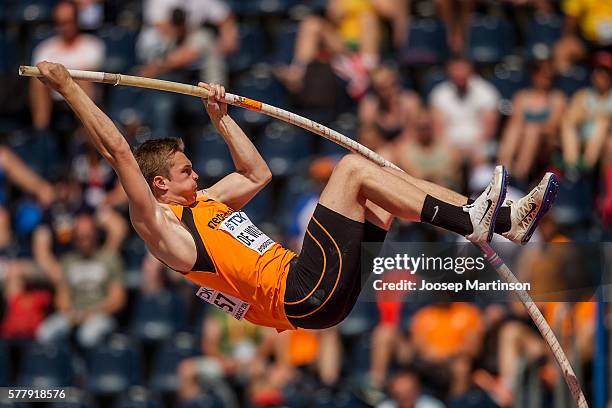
154 157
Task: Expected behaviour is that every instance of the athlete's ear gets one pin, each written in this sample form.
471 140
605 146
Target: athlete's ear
161 183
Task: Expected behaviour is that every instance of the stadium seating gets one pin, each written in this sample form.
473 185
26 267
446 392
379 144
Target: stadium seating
139 397
133 252
33 11
4 365
211 158
182 346
261 207
474 398
432 78
46 365
542 33
38 35
257 84
205 399
38 149
490 39
112 367
263 7
158 316
9 97
284 43
360 354
8 53
75 404
125 104
345 124
362 319
120 44
252 49
283 145
426 43
574 201
508 80
576 78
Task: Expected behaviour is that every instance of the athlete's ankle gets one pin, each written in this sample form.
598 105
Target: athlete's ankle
444 215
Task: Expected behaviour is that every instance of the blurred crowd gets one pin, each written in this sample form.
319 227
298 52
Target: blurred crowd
443 88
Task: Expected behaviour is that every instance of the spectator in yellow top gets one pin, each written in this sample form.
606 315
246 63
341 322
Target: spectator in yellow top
586 20
592 17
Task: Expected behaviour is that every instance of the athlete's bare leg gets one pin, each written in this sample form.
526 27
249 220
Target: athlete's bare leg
357 181
377 216
383 219
436 190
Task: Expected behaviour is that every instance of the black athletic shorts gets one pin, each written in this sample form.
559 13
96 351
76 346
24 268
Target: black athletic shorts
325 280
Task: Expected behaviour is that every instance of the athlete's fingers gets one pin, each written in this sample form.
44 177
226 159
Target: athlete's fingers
208 88
217 91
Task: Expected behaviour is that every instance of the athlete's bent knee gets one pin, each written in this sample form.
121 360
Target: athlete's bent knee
353 164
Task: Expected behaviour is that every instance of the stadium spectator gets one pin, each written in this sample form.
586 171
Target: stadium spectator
90 291
406 391
586 29
91 13
350 32
456 15
54 237
447 338
182 49
69 47
464 109
389 112
586 126
516 340
576 321
389 344
605 202
13 169
591 20
157 17
25 307
397 14
532 129
546 268
425 156
230 349
98 182
178 53
175 37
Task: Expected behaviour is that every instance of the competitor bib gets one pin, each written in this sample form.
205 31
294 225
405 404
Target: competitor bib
229 304
241 228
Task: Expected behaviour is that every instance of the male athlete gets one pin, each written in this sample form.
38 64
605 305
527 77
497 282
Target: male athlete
204 235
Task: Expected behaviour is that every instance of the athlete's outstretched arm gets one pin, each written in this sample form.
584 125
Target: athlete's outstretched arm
252 173
110 143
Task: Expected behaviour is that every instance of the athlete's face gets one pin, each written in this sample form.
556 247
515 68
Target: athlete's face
183 179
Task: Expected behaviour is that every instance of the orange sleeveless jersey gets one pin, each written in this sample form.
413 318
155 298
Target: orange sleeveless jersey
240 271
